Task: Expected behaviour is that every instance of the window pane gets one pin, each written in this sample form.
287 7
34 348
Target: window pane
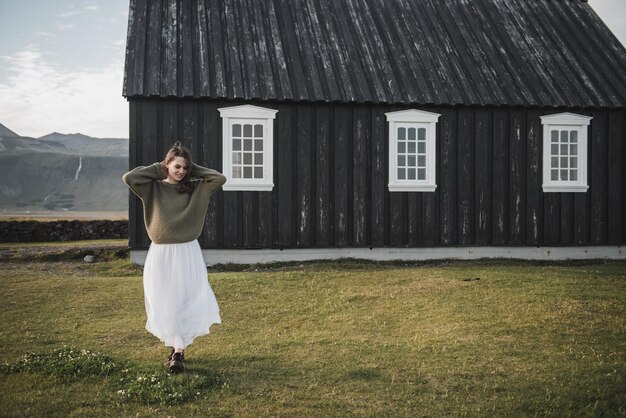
554 174
401 161
401 173
573 136
573 149
402 147
564 162
236 158
401 134
564 136
412 161
421 134
421 174
247 158
258 172
411 146
573 175
258 145
237 172
258 131
573 162
237 144
421 161
258 158
564 149
421 147
236 129
554 136
411 175
247 145
564 175
247 172
555 149
412 134
554 162
247 130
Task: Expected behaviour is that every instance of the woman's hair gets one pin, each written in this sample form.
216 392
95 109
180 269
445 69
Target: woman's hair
179 150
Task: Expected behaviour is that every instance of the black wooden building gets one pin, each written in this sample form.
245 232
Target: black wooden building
386 124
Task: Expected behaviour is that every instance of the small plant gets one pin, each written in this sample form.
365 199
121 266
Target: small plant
65 364
162 388
131 382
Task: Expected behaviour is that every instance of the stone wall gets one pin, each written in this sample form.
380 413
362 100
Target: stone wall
34 231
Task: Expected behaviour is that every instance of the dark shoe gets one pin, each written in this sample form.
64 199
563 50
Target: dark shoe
177 363
169 358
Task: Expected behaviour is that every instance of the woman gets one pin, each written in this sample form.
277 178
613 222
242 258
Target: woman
180 304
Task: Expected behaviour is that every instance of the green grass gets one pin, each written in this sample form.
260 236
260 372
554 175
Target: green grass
329 339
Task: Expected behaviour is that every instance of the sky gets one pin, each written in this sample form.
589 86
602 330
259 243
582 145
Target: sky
62 64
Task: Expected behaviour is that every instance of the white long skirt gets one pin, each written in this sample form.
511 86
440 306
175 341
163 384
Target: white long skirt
180 303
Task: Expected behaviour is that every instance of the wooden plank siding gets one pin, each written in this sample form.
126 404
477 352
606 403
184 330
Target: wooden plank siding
331 174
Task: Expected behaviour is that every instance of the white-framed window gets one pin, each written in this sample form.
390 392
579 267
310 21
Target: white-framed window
565 152
412 150
247 147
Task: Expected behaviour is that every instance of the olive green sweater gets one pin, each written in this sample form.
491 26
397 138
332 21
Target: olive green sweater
172 217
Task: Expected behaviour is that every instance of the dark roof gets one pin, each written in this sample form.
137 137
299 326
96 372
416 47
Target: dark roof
471 52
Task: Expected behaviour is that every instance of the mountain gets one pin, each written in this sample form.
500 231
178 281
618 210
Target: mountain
4 131
78 144
70 144
62 172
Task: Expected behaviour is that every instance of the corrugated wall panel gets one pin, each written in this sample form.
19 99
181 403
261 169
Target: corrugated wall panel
534 178
447 184
598 181
616 170
483 174
501 171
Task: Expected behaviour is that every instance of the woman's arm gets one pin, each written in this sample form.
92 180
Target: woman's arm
213 177
140 177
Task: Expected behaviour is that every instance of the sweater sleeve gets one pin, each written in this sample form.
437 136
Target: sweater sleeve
213 177
140 178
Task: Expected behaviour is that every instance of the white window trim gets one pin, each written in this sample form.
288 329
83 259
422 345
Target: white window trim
255 115
423 119
573 122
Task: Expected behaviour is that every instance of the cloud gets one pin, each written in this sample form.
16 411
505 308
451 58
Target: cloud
614 15
38 98
92 8
45 35
66 26
67 14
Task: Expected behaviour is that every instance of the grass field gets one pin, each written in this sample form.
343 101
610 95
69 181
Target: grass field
329 339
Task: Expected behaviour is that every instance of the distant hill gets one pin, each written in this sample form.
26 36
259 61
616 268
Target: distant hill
62 172
4 131
78 144
71 144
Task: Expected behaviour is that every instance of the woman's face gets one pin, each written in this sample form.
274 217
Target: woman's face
177 169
